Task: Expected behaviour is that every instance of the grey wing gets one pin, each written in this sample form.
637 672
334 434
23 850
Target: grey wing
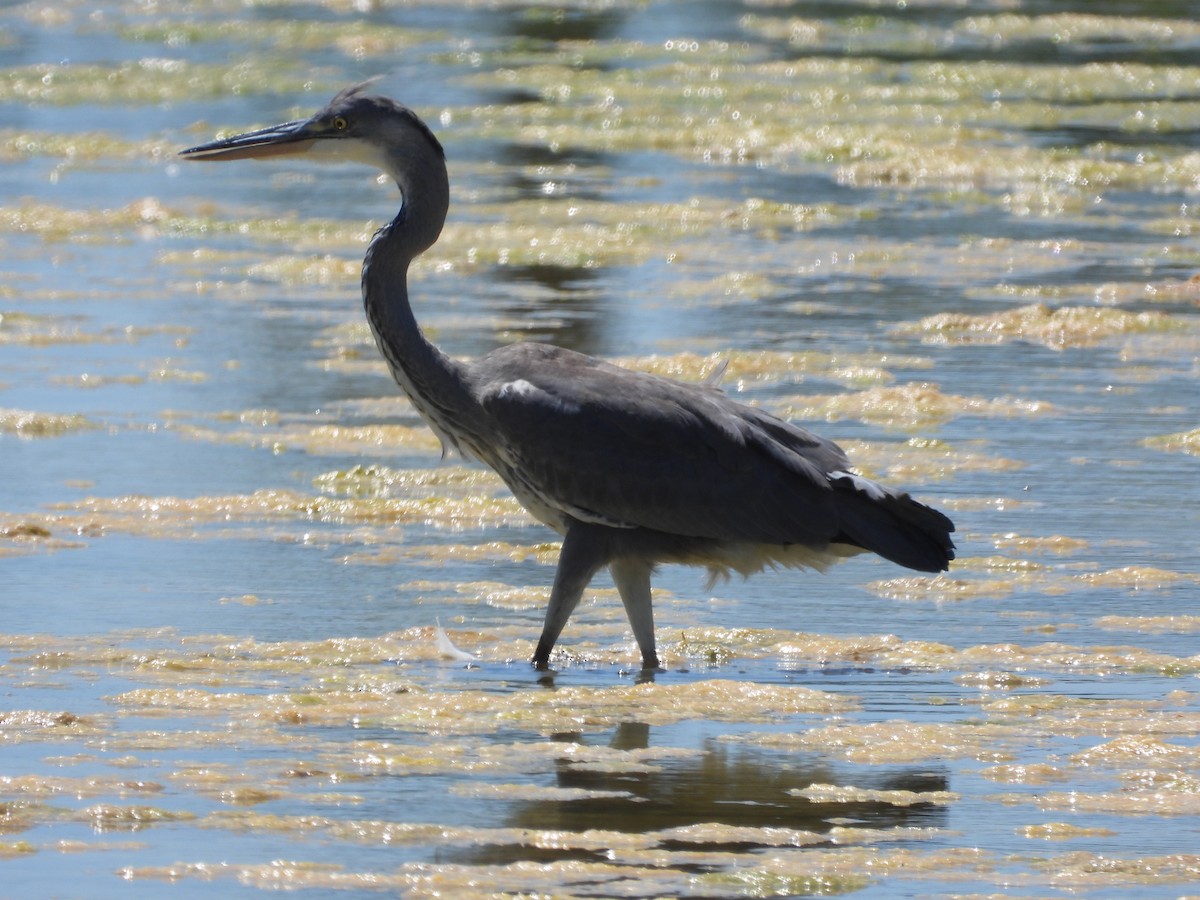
625 448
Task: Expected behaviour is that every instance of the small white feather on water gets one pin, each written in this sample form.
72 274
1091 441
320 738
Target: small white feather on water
446 648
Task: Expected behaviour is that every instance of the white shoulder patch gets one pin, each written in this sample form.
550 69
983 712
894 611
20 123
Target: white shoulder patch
522 389
518 388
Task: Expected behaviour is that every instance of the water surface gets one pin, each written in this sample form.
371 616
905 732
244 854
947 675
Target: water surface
958 238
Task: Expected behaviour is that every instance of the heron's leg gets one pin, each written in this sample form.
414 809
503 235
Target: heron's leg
581 556
632 578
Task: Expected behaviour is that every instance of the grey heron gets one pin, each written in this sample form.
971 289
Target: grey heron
631 469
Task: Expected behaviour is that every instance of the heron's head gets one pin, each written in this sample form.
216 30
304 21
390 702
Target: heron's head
354 127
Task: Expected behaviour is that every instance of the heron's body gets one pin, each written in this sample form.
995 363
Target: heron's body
632 469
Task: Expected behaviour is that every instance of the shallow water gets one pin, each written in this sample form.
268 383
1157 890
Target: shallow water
959 238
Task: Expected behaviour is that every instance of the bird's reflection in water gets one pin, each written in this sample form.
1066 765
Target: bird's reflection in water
726 784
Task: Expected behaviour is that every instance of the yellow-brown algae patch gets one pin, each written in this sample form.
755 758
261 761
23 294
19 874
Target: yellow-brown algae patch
225 783
244 600
1181 624
545 554
165 371
1135 578
502 596
1056 544
895 742
26 535
844 869
1005 30
988 680
195 739
46 786
1059 329
406 707
1062 831
24 329
371 758
1057 656
395 833
245 795
1165 290
940 588
879 650
648 874
278 874
21 815
1155 801
836 793
55 223
90 380
825 647
150 515
28 424
291 270
381 481
1180 442
922 460
907 405
107 817
323 440
717 834
1088 869
21 725
1139 749
1157 781
146 80
741 369
75 148
246 662
91 846
1029 773
355 39
1024 569
1061 715
1005 574
381 440
1079 29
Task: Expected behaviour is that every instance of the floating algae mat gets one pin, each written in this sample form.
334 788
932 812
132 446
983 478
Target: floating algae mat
259 636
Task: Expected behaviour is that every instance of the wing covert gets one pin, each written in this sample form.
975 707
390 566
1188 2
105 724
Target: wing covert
637 450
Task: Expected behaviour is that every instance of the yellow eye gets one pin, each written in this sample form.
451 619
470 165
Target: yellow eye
340 124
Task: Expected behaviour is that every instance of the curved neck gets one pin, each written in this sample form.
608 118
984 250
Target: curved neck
436 384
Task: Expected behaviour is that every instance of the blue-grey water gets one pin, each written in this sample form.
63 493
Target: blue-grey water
220 674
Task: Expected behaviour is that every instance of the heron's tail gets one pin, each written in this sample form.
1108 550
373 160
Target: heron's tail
892 524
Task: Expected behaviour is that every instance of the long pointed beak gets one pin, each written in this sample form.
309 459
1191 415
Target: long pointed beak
287 139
